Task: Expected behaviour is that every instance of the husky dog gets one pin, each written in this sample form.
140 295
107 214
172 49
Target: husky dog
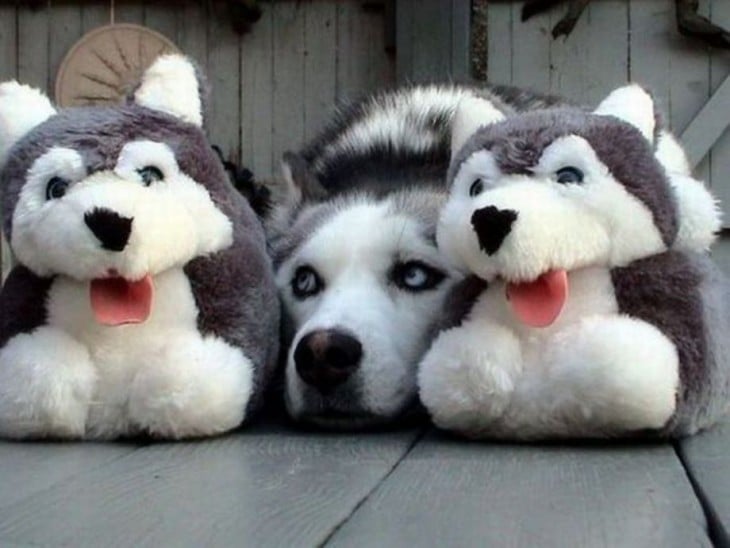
602 313
352 232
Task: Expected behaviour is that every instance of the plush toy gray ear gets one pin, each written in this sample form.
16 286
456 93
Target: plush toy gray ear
471 114
21 109
172 85
633 105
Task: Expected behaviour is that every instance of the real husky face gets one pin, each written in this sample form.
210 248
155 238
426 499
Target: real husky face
353 235
361 290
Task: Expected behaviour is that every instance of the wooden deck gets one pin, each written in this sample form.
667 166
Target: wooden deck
272 485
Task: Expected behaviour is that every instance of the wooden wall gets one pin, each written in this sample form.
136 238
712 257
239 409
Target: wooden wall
272 88
614 42
617 41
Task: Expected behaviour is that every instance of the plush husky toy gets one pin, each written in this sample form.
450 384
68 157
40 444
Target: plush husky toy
601 313
143 301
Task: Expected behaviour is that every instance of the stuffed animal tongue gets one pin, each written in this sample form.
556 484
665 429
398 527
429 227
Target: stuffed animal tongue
116 301
539 303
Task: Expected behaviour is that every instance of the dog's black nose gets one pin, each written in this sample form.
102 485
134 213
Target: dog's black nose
327 358
110 228
492 226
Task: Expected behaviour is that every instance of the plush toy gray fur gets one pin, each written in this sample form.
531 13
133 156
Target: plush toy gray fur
143 301
601 312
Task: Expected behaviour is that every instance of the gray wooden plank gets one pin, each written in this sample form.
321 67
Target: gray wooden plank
29 468
363 65
259 488
721 252
707 126
127 12
8 43
404 46
674 68
95 15
432 25
192 38
449 492
607 48
33 46
586 65
460 40
288 106
499 43
370 44
65 30
223 71
162 17
707 458
530 51
320 64
6 258
257 92
720 154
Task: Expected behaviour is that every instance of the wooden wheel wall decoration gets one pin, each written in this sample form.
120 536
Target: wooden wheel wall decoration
105 65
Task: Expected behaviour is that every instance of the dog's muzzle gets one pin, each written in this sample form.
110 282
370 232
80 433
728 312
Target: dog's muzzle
325 359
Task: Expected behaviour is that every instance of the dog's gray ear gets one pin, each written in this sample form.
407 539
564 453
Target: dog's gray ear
296 184
299 180
471 114
173 85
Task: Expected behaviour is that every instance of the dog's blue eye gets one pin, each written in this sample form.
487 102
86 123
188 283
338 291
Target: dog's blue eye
306 282
150 174
416 276
56 188
476 188
569 175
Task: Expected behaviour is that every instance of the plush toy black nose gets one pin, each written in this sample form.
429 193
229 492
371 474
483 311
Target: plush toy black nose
327 358
492 226
110 228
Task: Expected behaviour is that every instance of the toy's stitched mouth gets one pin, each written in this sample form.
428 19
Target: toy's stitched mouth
117 301
539 303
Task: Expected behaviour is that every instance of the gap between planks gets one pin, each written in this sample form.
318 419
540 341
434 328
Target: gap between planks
375 487
715 530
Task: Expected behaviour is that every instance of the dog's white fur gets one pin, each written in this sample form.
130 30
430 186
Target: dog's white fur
359 298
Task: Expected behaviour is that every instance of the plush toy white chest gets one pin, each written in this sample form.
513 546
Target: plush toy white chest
173 308
591 294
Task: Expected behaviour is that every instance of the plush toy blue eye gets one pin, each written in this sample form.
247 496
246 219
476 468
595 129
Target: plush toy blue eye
569 175
56 188
476 188
306 282
150 174
416 276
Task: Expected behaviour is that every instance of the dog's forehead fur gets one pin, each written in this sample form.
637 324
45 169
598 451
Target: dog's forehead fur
518 143
419 205
98 134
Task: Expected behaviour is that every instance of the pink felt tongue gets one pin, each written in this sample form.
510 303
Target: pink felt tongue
116 301
539 303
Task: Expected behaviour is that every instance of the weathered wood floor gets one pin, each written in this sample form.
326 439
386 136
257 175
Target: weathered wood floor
275 486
